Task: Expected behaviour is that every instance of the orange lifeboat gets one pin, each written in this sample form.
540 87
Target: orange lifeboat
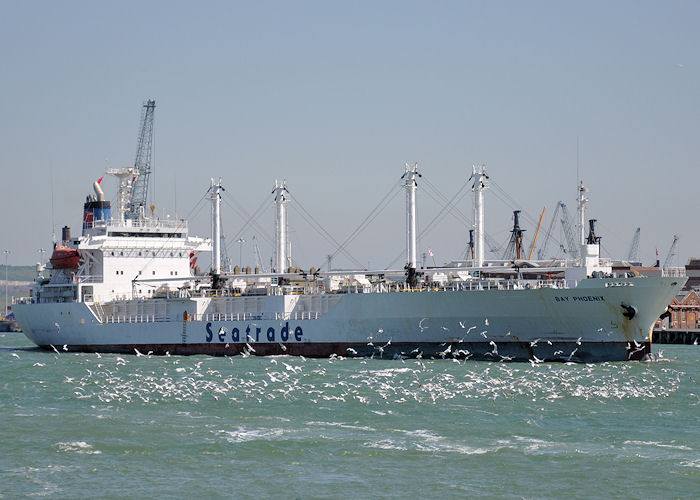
65 258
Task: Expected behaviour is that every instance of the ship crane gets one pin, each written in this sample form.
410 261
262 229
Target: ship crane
633 254
142 164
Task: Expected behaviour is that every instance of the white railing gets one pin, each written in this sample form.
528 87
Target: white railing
167 224
137 318
673 272
274 316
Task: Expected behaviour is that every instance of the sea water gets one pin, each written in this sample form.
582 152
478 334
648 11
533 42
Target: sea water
78 425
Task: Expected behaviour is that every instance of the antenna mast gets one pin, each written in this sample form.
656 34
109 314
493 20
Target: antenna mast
410 183
281 192
144 151
479 176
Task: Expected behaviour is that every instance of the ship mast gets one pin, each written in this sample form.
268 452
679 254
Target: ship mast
410 183
215 191
582 200
479 176
125 176
281 226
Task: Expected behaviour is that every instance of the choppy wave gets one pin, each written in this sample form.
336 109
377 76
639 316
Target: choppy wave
282 422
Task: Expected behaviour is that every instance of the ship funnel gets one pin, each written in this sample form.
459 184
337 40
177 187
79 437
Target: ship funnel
95 211
98 189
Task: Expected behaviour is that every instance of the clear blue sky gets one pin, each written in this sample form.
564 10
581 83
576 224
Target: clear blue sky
337 96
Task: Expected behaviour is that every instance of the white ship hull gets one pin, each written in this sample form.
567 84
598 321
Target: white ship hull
585 323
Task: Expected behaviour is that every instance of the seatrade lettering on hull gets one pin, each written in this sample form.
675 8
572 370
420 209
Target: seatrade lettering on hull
583 298
254 333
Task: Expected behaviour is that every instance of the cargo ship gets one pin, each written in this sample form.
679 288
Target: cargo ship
129 284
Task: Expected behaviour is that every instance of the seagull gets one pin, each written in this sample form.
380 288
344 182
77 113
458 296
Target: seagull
483 334
486 321
284 347
495 348
446 351
351 351
138 354
578 342
420 324
65 347
54 348
15 355
534 342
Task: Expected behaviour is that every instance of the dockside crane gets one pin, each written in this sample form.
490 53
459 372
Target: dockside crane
633 254
537 232
142 165
671 251
568 232
258 257
542 252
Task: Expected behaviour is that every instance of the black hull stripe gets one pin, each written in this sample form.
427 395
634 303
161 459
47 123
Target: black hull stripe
511 351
